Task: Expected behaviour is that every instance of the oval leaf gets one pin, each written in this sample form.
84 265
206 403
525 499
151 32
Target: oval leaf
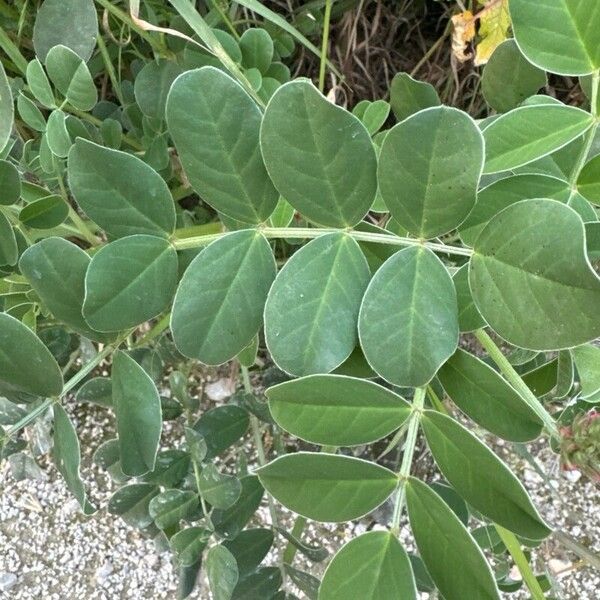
137 408
218 144
319 156
45 213
222 572
452 557
20 348
336 410
55 269
312 307
373 566
408 324
525 134
483 395
129 281
120 192
219 304
429 168
327 487
561 37
480 477
7 109
531 279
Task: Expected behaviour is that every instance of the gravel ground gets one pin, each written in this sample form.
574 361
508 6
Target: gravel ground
49 550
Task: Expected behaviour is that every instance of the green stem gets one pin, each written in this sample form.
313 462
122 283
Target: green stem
324 45
225 18
515 380
514 547
110 69
12 51
306 232
407 458
156 330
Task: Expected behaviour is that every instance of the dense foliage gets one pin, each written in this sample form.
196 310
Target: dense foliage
171 197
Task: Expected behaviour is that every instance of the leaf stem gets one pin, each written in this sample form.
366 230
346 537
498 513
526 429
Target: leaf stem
514 547
191 241
515 380
324 44
407 457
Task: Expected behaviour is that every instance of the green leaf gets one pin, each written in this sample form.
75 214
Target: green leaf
129 281
314 553
531 279
312 307
469 318
452 557
69 22
20 348
10 183
504 192
67 458
483 395
587 361
222 572
588 183
131 503
221 427
97 390
57 135
30 113
152 86
55 269
480 477
218 489
170 469
45 213
327 487
408 324
219 304
188 545
247 355
249 548
319 156
171 506
525 134
408 96
7 110
39 85
561 37
509 78
257 49
120 192
375 116
373 566
336 410
137 408
72 78
262 584
9 251
230 522
218 144
429 168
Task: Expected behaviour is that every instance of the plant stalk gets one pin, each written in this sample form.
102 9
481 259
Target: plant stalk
192 241
407 457
324 44
515 380
514 547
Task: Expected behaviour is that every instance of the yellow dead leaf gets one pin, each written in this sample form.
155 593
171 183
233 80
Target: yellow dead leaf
494 23
462 35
